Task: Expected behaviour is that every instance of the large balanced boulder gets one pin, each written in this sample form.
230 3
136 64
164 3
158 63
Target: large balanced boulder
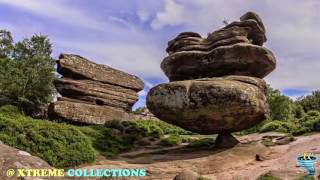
93 93
211 105
216 82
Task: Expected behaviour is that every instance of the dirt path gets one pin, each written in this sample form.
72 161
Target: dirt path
235 164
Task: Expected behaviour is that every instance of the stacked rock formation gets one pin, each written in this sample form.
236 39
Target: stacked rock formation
216 82
93 93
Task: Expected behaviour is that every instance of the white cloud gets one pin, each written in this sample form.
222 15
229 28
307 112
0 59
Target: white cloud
173 14
58 11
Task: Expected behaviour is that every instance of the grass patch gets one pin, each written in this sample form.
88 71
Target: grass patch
306 178
61 145
200 143
171 140
268 176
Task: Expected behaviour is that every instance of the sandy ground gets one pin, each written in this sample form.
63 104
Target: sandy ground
236 163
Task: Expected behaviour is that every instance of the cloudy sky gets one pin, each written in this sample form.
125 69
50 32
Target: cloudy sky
132 35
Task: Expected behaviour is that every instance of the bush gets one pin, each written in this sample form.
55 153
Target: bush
310 102
107 142
279 126
60 145
147 128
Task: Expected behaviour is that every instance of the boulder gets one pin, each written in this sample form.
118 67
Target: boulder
210 105
93 93
78 112
187 175
77 67
235 49
12 158
238 59
97 93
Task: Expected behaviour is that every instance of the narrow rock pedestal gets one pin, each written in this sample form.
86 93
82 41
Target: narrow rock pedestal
225 140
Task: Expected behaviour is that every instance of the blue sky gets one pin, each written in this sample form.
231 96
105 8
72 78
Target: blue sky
132 35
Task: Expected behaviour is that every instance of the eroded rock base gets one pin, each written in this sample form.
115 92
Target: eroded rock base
225 140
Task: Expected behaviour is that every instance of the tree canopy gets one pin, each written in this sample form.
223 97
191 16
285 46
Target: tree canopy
27 71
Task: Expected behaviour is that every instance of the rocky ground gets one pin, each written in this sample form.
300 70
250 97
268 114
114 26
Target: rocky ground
247 160
236 163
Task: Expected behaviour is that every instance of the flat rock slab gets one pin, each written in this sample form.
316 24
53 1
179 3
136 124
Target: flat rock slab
77 67
211 105
237 59
96 93
85 113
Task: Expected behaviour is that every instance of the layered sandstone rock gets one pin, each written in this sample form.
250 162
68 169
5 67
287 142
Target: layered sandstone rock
93 93
233 50
215 81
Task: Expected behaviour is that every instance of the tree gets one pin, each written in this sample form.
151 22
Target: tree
282 107
27 72
310 102
6 43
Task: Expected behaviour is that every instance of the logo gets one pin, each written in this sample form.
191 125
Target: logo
308 161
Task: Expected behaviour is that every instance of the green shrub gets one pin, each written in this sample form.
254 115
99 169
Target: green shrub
279 126
60 145
147 128
171 140
107 142
10 110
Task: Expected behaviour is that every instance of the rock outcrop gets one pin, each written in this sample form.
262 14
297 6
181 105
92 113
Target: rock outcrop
216 84
93 93
12 158
233 50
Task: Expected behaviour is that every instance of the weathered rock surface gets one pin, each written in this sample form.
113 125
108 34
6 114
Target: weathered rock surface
77 67
235 49
78 112
12 158
238 59
93 93
210 105
187 175
96 93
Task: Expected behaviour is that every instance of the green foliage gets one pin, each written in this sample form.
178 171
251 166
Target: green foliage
204 142
6 43
268 176
310 102
107 142
306 178
279 126
281 107
27 71
139 110
171 140
60 145
309 123
147 128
